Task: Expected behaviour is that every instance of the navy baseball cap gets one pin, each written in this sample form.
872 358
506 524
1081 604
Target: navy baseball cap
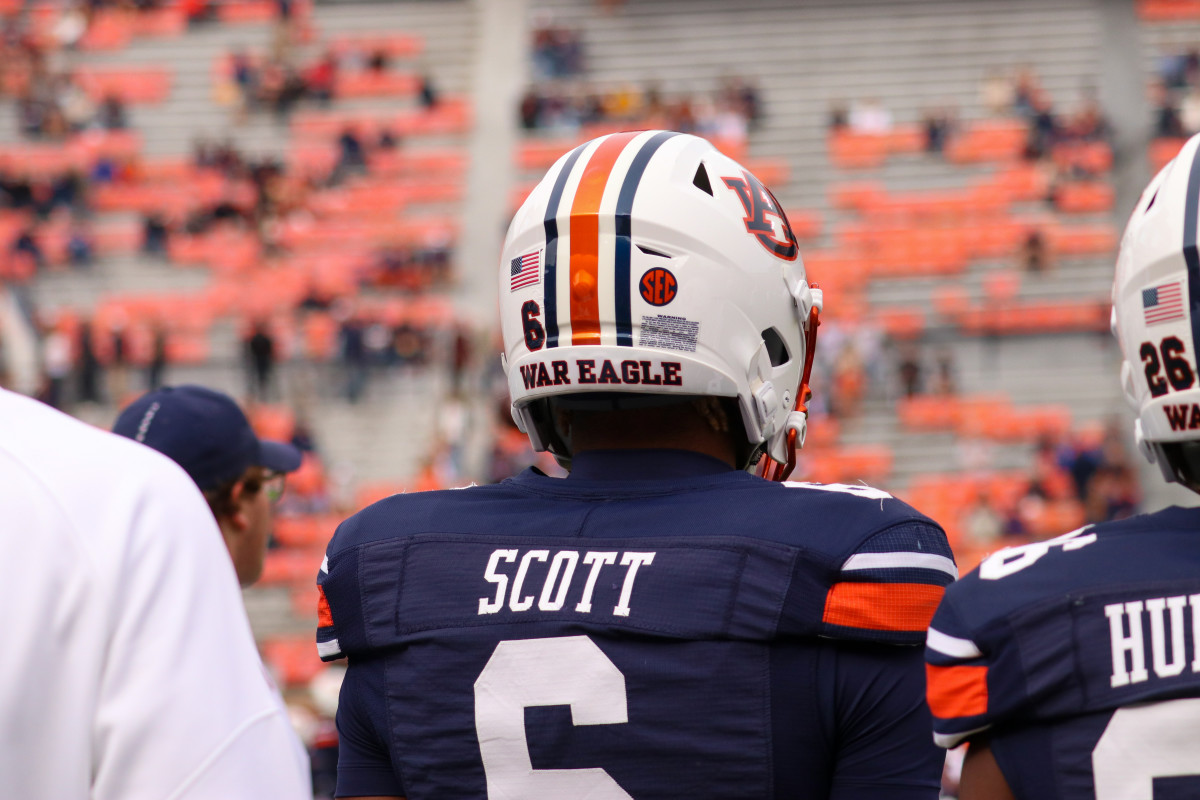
204 432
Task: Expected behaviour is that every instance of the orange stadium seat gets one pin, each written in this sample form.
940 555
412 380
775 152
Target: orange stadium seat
1084 197
1093 157
294 659
772 172
144 84
1163 150
805 224
244 11
994 140
950 301
1083 240
109 29
1168 10
928 412
307 531
400 45
1021 182
901 323
367 83
848 150
859 196
272 421
166 21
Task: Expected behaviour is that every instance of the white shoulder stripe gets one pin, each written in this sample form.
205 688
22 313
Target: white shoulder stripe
951 646
951 740
330 648
324 564
901 560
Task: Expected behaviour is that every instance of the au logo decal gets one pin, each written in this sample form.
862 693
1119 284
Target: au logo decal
760 205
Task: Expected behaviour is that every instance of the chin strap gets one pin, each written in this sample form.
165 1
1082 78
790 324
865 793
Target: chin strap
797 422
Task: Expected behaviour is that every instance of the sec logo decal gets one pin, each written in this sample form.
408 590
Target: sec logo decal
659 286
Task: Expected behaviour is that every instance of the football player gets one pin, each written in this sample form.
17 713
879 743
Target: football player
1072 666
661 623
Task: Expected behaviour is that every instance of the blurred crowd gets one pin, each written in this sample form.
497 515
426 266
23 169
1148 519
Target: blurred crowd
1175 96
562 98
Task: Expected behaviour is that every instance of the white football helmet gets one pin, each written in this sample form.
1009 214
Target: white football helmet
649 264
1156 318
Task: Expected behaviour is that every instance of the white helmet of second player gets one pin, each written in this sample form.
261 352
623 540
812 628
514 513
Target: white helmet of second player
648 263
1156 319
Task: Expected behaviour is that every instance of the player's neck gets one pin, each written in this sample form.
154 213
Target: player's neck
666 428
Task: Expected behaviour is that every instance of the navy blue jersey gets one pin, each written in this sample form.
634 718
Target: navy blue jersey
654 626
1077 658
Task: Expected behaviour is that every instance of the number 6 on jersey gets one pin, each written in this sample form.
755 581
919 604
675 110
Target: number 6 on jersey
565 671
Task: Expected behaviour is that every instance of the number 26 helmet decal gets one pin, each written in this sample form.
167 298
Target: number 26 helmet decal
664 268
1156 317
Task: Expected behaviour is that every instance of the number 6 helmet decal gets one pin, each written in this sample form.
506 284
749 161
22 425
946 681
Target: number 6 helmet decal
1156 316
666 269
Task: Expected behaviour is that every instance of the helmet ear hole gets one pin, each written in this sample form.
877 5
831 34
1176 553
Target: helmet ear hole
701 181
776 347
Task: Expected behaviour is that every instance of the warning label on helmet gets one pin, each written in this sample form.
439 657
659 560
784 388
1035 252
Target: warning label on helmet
669 333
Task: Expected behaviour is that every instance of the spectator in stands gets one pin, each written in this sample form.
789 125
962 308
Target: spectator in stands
530 109
260 362
79 247
1166 117
938 125
118 359
241 476
1088 123
154 234
997 92
56 364
354 356
910 372
378 60
1043 128
870 116
1112 493
112 115
428 95
944 383
352 159
1189 111
26 243
981 523
1026 91
157 365
88 363
1035 257
321 78
245 79
197 11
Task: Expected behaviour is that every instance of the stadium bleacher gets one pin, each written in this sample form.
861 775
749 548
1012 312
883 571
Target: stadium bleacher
997 261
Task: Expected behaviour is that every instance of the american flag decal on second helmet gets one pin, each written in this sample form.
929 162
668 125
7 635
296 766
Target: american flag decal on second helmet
589 238
523 271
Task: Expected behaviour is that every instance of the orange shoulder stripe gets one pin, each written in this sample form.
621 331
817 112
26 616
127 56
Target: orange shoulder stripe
956 691
324 615
882 606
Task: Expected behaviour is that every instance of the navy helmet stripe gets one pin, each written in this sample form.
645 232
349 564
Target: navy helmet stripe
551 226
1190 255
625 235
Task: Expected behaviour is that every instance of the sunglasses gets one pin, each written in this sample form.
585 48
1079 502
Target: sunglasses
273 484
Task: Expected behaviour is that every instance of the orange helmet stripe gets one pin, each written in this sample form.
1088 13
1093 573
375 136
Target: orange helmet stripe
584 278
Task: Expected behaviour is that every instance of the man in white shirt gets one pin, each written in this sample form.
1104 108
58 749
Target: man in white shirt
129 671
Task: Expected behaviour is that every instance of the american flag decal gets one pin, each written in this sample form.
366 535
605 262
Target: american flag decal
524 271
1163 303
